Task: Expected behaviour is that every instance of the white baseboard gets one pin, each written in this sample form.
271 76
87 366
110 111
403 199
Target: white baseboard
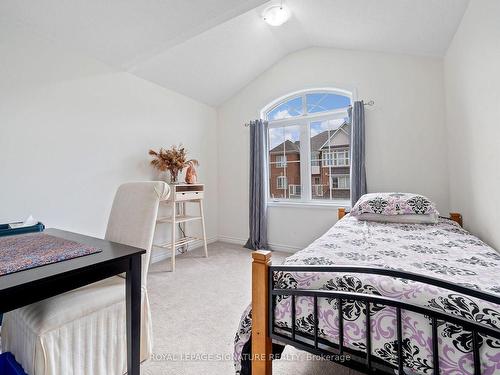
235 240
285 248
158 254
273 246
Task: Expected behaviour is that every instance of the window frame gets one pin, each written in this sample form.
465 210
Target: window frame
282 186
315 187
282 163
339 175
294 190
345 158
304 122
333 160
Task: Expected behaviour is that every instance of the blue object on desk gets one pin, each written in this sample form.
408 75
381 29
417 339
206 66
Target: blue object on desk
6 230
9 366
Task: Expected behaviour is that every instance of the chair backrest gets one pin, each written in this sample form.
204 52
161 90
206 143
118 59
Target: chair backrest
132 219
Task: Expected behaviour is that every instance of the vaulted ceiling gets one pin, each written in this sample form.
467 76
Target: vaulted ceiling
211 49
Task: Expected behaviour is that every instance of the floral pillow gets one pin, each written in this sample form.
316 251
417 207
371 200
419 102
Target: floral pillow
391 204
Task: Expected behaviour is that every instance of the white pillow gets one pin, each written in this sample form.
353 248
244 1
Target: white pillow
402 219
404 208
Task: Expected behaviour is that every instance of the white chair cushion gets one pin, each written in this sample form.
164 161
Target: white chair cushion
84 325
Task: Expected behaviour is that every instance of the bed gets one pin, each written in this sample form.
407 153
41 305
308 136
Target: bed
431 293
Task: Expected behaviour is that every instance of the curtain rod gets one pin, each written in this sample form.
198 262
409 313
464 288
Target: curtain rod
370 103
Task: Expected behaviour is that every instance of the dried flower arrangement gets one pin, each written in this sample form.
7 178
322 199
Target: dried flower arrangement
173 160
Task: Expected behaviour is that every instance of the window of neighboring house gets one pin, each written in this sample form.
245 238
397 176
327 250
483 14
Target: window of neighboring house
336 158
281 182
280 161
294 190
317 190
340 182
315 158
341 158
327 159
309 140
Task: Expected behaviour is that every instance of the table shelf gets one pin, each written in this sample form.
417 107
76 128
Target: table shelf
180 196
178 219
180 242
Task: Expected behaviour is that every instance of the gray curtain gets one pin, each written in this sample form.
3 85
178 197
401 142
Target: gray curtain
258 186
358 173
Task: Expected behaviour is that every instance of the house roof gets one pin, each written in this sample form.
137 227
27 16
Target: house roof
287 146
345 127
317 142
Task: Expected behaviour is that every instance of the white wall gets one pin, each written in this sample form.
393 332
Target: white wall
473 119
406 148
72 130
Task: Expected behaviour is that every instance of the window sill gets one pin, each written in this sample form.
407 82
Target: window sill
311 204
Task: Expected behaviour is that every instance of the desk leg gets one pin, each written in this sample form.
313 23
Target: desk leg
133 304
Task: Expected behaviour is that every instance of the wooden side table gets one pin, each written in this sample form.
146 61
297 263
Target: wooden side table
180 195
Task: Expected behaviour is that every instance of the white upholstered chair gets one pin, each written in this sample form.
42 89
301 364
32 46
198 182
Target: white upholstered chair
82 332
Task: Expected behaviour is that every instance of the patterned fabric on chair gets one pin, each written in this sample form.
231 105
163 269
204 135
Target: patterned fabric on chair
83 331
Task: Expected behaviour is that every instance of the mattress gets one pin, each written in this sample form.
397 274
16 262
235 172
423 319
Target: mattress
443 250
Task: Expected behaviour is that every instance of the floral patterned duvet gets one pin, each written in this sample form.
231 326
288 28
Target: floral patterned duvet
442 250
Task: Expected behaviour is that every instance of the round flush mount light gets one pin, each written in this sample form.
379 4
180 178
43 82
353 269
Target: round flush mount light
276 15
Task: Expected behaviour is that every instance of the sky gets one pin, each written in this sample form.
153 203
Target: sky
320 126
279 135
316 103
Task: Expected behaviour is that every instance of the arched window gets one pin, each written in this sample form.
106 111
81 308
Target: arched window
309 147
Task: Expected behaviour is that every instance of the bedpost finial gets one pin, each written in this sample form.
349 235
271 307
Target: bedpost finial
262 256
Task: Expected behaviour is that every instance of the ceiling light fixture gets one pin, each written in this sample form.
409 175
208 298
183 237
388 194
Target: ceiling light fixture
276 15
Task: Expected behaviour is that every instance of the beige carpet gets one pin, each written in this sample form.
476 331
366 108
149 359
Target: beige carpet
196 312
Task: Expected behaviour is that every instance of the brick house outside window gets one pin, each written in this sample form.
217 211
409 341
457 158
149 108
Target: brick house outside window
309 147
330 166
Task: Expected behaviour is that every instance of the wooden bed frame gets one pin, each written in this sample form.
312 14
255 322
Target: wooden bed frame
263 294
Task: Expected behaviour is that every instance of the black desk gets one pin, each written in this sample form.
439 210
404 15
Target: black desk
33 285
